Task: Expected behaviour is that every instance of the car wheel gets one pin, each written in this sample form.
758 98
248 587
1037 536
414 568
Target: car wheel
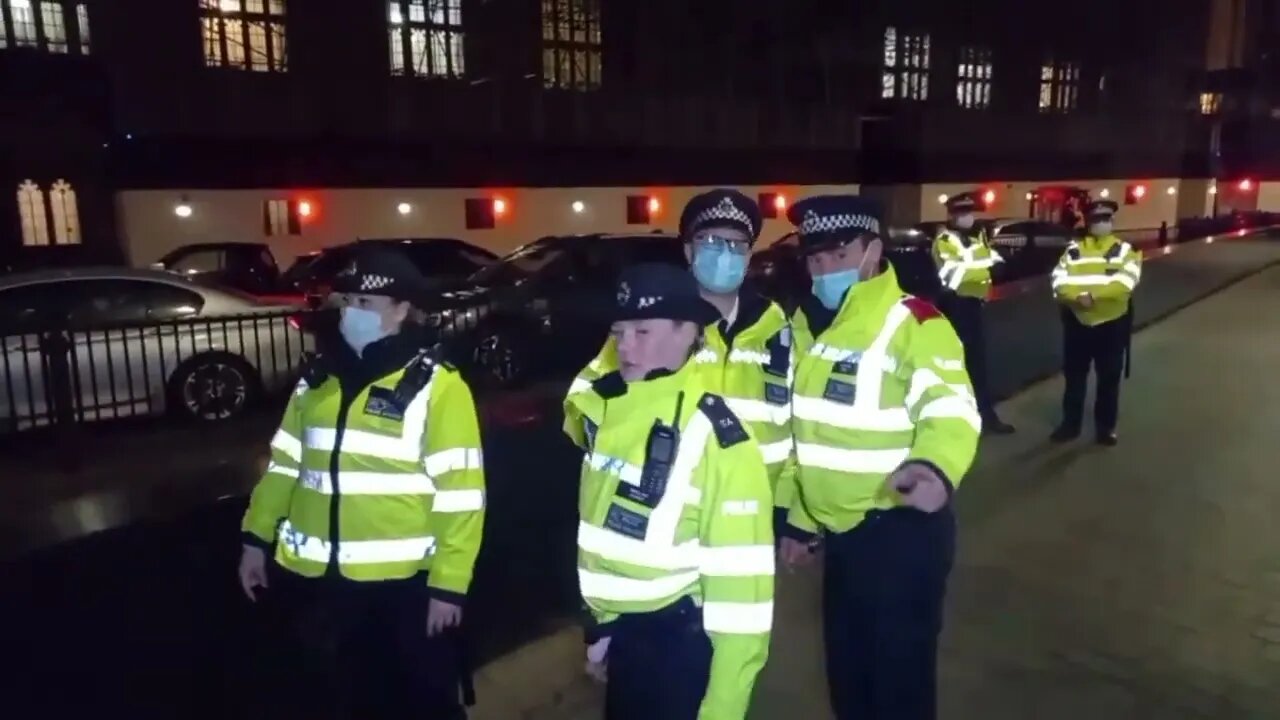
213 387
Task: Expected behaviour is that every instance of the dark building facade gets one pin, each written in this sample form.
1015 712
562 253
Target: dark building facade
105 95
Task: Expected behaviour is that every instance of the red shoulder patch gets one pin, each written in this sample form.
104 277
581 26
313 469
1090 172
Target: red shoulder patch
922 309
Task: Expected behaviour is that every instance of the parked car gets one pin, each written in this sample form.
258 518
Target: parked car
137 342
540 313
436 258
250 267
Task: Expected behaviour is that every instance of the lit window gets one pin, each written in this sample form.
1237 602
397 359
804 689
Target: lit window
426 38
1210 103
66 216
905 72
39 24
244 34
1059 86
32 214
973 86
82 27
572 50
281 217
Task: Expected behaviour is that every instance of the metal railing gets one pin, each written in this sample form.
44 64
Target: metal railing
203 368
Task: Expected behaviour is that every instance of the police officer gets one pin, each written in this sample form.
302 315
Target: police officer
965 259
675 542
1094 283
372 506
886 427
746 355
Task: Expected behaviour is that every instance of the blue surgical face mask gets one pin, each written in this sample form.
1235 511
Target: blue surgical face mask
831 288
964 222
719 270
1100 229
360 328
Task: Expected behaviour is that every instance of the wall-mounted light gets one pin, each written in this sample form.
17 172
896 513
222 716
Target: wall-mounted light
182 209
499 207
305 208
578 206
1171 191
404 208
1104 193
1246 185
1031 195
942 199
1213 189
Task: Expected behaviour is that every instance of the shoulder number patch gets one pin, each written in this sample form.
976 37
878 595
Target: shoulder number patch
727 427
922 309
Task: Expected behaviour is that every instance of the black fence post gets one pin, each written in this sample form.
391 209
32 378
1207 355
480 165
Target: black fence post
55 348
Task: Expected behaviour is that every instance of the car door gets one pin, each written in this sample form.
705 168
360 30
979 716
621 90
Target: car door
122 348
203 264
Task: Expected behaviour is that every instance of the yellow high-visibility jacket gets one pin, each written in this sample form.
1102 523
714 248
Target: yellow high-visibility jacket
753 373
964 264
708 535
1106 268
378 487
883 386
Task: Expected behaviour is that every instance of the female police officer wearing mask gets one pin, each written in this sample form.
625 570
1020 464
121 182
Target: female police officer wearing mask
675 542
372 507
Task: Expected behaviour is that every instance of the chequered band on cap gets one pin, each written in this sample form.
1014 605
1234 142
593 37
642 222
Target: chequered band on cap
724 210
374 282
814 223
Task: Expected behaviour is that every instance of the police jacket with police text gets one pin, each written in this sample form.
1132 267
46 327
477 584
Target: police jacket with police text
964 261
1107 268
882 384
370 484
661 522
751 365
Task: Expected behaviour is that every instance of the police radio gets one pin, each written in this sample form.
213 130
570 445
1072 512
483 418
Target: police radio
415 377
659 458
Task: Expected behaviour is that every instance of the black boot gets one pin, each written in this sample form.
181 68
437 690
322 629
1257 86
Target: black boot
1108 438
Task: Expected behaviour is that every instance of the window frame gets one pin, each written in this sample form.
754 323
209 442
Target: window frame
439 20
70 18
974 77
1059 86
572 45
216 34
905 65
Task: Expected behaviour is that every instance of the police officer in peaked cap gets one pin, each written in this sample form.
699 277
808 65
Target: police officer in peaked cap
669 466
965 260
746 353
369 517
1094 284
886 427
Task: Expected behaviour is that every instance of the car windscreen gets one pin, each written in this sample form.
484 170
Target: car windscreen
519 264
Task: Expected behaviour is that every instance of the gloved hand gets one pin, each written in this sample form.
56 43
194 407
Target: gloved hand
598 659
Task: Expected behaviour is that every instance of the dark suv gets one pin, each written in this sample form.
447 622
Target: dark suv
540 313
436 258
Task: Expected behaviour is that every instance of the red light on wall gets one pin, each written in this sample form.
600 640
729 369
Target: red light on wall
989 198
499 207
772 205
1246 185
1134 193
655 206
780 202
305 209
1139 191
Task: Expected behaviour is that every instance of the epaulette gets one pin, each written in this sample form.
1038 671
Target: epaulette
610 385
1115 252
727 427
922 309
417 374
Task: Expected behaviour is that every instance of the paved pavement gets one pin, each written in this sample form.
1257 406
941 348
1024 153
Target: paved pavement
1135 582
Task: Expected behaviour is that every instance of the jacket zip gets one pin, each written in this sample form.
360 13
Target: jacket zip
335 534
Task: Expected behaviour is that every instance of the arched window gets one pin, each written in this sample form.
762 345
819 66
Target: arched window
66 217
32 214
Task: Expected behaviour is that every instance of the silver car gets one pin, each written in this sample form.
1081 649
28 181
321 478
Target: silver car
95 344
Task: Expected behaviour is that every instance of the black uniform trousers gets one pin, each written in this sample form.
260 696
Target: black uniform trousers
659 664
360 650
884 583
965 314
1102 346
